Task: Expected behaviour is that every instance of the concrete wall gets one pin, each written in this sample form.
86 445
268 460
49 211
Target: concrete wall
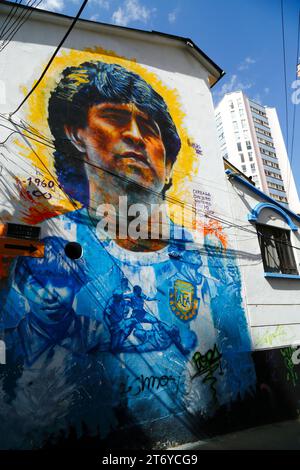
272 304
137 342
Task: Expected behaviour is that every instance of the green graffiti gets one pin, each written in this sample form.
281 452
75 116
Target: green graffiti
207 364
292 375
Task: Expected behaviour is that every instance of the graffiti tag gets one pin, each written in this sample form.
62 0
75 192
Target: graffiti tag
141 384
196 147
268 338
206 365
287 354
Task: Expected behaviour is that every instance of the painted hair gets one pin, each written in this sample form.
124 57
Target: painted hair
54 265
93 83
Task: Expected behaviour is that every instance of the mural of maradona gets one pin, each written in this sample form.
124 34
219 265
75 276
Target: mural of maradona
154 304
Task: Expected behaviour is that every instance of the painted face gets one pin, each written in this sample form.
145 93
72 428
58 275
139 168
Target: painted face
123 139
49 299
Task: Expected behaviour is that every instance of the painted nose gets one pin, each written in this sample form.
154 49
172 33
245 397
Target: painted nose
133 133
49 293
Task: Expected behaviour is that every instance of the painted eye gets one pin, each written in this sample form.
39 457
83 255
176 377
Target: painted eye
149 127
120 119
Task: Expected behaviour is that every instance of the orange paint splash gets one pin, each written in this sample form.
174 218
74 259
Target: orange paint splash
213 227
34 211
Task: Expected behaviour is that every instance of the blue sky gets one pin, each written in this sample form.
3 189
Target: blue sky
244 37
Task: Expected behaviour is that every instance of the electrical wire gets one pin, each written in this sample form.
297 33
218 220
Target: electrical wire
32 92
284 73
23 17
173 200
11 13
74 21
49 142
294 110
129 181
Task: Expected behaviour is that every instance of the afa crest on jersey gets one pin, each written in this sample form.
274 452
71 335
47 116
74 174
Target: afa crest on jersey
183 301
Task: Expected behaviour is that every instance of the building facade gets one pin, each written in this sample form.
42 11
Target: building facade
136 293
250 137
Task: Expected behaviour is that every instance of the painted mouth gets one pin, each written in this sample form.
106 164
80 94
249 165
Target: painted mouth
52 308
55 316
137 157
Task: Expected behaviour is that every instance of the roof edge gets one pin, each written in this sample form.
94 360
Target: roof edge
216 71
264 196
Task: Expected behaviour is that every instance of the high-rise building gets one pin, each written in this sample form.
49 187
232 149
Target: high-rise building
251 139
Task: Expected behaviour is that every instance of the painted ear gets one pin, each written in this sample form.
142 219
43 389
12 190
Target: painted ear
74 137
169 168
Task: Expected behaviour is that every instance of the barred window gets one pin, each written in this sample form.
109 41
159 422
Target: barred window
276 250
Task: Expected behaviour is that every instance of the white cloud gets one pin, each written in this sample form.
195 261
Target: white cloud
52 5
101 3
257 98
94 17
172 16
132 10
233 85
246 63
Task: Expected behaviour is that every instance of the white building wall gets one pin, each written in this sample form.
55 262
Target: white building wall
284 163
246 132
273 304
232 154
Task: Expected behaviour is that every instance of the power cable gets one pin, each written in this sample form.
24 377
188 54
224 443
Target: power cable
128 180
11 13
22 19
30 94
26 127
284 73
294 110
173 200
75 19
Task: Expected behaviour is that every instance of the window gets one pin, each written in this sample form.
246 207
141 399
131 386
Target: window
250 156
235 126
259 121
265 142
244 168
244 124
242 158
281 199
258 111
260 131
273 175
276 250
267 152
273 165
239 146
279 187
248 145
